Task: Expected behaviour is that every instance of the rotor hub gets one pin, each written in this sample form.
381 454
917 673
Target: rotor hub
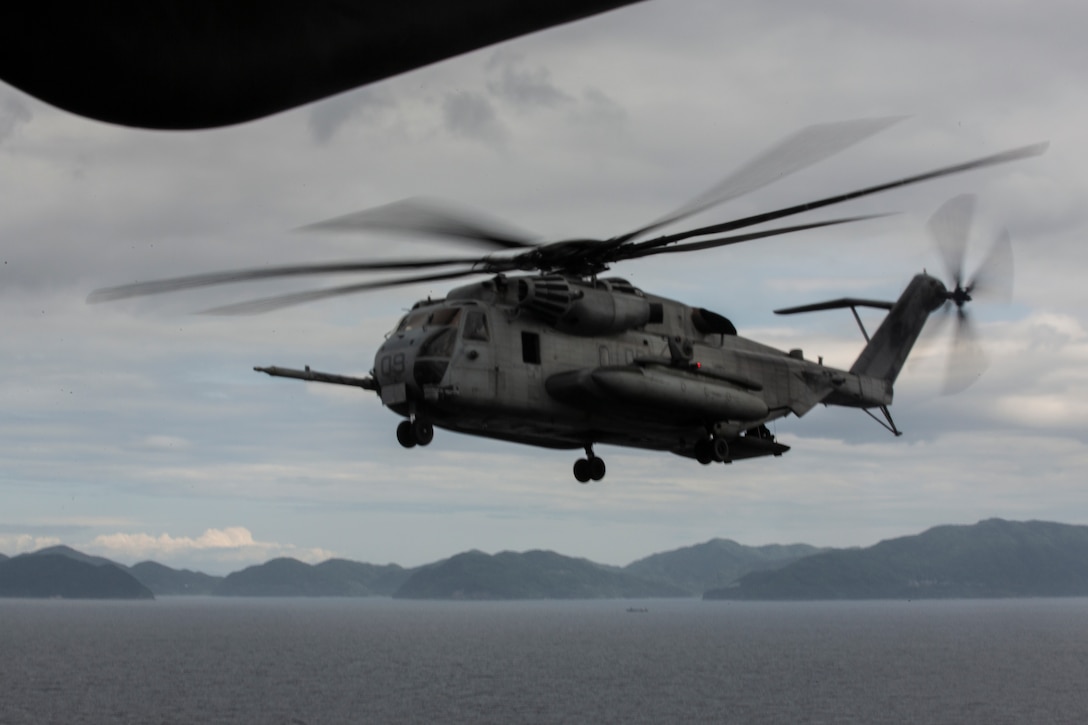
960 295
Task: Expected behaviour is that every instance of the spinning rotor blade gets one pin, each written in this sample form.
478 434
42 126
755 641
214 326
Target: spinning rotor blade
950 226
994 276
999 158
267 304
966 361
420 216
737 238
794 153
176 284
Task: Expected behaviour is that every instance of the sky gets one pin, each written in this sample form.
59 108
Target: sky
138 430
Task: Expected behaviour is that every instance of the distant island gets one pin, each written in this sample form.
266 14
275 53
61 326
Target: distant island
67 575
993 558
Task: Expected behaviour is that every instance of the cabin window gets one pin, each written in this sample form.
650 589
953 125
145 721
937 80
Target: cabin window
657 313
476 326
530 348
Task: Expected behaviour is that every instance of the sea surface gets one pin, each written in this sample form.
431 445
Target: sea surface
219 660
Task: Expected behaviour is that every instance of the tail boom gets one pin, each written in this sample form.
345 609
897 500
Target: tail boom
887 351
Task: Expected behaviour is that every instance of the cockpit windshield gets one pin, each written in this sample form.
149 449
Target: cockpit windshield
430 317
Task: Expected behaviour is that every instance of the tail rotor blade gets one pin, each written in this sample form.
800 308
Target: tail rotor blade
950 226
967 361
994 276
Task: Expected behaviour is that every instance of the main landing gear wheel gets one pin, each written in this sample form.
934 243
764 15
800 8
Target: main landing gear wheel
588 468
411 433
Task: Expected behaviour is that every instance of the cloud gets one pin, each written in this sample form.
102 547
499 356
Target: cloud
512 82
231 544
164 442
12 544
13 114
469 114
369 105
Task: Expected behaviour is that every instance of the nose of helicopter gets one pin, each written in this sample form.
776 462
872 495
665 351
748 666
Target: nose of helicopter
407 361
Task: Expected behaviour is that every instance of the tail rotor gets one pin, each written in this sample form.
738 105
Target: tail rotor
950 228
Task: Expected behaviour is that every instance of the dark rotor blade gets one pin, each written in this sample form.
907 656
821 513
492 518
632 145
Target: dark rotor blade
999 158
267 304
176 284
966 361
932 330
994 276
794 153
950 226
637 253
422 216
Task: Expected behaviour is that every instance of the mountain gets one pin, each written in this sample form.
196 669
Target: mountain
715 563
993 558
529 575
369 579
58 575
285 577
164 581
71 553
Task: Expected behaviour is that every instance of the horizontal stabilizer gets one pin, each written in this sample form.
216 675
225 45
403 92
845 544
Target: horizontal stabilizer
836 305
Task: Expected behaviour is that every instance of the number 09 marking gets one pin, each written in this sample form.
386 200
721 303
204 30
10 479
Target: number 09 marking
392 364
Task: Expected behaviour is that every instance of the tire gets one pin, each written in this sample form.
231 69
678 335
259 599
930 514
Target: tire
581 470
422 431
704 452
406 435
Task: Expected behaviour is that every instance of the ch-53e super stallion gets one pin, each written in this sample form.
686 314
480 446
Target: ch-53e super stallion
547 351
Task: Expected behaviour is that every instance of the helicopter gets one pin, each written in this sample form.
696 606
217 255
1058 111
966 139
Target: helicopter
548 351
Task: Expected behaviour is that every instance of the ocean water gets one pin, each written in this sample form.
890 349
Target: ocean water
211 660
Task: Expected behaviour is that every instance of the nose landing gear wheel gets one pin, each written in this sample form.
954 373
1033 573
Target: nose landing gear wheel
423 431
405 436
411 433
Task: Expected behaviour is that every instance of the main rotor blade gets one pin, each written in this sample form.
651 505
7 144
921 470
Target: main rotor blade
422 216
950 226
176 284
738 238
992 160
267 304
994 276
794 153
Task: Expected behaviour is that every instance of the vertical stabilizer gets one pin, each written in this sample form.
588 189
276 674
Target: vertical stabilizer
885 354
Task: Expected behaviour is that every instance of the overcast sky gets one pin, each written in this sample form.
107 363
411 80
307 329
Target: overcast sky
137 430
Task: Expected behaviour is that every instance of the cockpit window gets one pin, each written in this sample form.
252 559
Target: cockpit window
446 316
442 317
440 344
476 326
